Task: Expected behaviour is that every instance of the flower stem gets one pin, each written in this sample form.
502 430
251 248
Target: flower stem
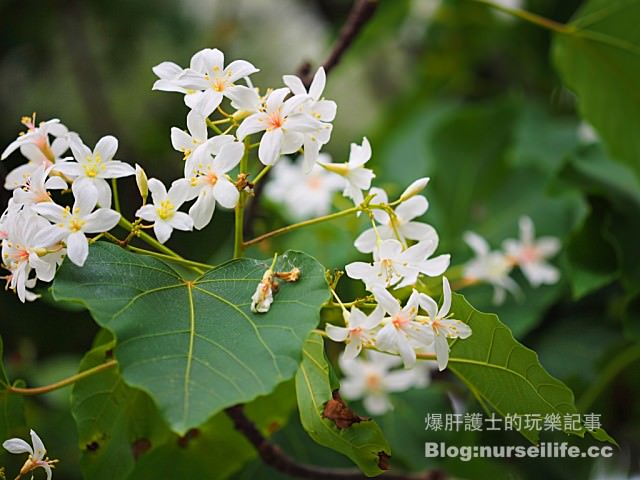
195 266
127 225
529 17
116 197
63 383
261 174
238 240
306 223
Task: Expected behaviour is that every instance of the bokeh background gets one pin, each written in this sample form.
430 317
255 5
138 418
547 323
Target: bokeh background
448 89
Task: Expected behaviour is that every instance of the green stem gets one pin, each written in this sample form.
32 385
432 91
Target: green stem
610 372
126 224
238 239
116 197
261 174
529 17
306 223
63 383
196 266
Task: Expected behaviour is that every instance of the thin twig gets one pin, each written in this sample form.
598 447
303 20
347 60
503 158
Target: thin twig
361 12
272 455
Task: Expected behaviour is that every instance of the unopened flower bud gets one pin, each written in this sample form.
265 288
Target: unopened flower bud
141 181
414 189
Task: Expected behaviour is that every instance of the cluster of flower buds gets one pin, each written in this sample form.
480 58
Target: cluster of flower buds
527 253
36 232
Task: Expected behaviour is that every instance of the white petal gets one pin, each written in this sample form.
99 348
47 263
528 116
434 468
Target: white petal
157 189
38 447
77 248
366 241
204 102
358 270
226 193
102 220
107 147
295 84
239 69
388 302
478 244
435 266
269 150
318 83
17 445
252 124
337 334
229 156
197 125
86 196
162 230
446 298
202 210
442 351
377 404
412 208
181 221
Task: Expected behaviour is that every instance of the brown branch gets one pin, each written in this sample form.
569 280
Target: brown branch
361 12
272 455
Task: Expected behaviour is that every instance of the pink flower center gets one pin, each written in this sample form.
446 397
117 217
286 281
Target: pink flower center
275 120
530 254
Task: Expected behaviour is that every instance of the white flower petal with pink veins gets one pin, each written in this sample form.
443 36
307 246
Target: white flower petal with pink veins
36 187
358 331
531 254
36 147
372 377
317 108
163 211
401 333
284 125
206 82
401 227
395 266
208 181
443 327
489 266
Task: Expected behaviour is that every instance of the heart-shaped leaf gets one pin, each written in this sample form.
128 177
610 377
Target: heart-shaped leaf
194 345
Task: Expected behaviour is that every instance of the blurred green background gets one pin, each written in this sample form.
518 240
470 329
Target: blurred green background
445 89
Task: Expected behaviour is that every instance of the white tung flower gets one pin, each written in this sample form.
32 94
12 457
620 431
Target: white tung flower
94 167
207 80
530 254
358 178
283 123
74 223
358 331
37 454
37 148
37 185
371 379
401 225
492 267
401 334
195 145
317 107
304 196
442 326
395 266
29 245
209 183
164 211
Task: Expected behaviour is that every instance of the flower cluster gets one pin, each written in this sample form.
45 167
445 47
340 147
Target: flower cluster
36 232
527 253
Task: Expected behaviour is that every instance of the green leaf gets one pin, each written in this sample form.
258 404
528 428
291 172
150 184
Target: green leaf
363 442
505 375
195 346
600 61
115 422
216 449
